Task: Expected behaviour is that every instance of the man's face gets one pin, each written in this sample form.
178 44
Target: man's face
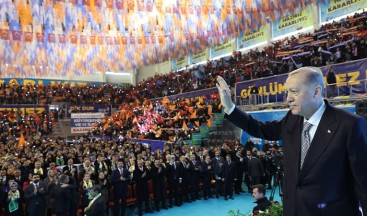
120 164
37 165
36 178
301 98
140 163
93 193
256 195
217 154
70 162
17 173
156 163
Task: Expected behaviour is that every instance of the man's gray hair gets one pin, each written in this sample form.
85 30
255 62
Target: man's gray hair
314 76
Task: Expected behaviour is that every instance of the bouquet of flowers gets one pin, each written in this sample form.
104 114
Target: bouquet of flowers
276 209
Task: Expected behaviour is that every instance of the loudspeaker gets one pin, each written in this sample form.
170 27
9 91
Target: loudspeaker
361 108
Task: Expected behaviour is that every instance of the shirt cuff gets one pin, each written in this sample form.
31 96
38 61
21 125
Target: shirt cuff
230 110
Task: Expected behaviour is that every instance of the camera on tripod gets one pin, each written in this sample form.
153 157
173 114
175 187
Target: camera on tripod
277 162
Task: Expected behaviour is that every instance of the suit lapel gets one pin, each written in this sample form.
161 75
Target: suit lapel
323 136
292 151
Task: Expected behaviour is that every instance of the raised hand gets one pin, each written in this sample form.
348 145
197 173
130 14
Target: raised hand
225 94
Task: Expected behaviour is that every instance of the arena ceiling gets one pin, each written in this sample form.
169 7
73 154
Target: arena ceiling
44 38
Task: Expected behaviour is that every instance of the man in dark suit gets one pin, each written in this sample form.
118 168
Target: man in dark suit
71 168
258 192
240 169
173 174
97 206
228 177
159 187
255 170
120 180
207 177
324 148
35 195
217 164
140 177
61 196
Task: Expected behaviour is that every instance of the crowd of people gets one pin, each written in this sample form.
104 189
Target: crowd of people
162 120
335 42
56 177
45 175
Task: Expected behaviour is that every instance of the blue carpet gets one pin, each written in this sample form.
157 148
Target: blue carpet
212 207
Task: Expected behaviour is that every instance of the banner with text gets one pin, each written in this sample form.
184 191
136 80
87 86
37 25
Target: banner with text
204 92
348 75
29 109
198 57
300 19
252 38
45 82
180 63
83 122
98 108
332 9
222 49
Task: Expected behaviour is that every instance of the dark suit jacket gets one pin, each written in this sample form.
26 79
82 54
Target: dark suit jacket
141 182
229 172
35 201
120 186
61 197
98 208
334 175
255 167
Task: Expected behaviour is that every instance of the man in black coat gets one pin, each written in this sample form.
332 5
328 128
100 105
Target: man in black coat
61 196
258 192
71 168
159 187
97 206
217 164
173 174
324 148
207 177
140 177
240 170
228 177
255 170
120 180
195 177
35 196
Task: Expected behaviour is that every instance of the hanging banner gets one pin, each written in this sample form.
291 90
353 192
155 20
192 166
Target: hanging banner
198 57
180 63
204 92
83 122
348 76
252 38
222 49
298 20
331 9
23 109
22 81
97 108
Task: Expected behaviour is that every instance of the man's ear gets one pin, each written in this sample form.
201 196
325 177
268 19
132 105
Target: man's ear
318 91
